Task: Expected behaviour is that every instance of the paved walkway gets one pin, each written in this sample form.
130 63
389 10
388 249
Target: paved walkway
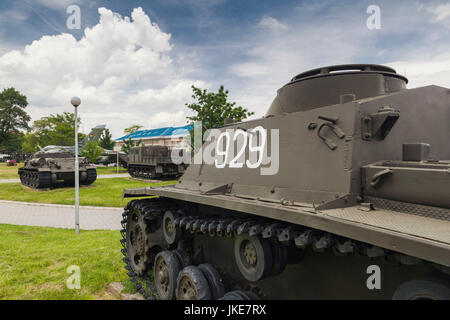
101 176
59 216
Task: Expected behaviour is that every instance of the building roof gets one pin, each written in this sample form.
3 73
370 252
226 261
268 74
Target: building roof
168 132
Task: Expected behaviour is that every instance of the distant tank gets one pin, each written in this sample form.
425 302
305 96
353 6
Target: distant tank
109 157
153 162
342 191
57 163
52 164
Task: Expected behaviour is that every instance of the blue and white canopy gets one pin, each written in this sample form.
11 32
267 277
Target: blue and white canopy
167 132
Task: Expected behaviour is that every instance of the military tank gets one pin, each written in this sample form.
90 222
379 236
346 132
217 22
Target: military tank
109 157
57 163
52 164
342 191
154 162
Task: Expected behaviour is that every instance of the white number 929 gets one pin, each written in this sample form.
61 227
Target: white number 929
251 143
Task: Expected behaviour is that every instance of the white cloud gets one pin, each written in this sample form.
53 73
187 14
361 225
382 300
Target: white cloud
441 12
166 119
121 68
421 72
272 24
250 69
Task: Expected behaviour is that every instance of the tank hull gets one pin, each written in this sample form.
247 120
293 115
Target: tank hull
377 227
43 171
349 187
154 162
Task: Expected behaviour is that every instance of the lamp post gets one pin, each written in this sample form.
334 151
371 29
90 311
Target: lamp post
76 102
117 164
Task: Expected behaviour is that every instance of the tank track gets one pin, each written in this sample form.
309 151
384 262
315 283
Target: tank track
231 226
91 176
137 172
32 178
152 209
35 179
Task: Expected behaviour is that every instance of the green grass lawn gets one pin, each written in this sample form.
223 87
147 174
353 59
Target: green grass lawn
9 172
102 193
34 262
110 170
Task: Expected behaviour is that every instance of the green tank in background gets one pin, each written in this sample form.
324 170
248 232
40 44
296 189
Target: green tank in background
53 164
110 157
153 162
354 202
57 163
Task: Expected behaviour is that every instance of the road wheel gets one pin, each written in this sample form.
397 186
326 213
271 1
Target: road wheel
427 289
192 285
253 257
171 233
166 269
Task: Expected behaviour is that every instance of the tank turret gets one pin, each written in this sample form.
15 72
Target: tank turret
335 85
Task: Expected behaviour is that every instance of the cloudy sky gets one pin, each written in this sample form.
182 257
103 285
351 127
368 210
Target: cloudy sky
133 62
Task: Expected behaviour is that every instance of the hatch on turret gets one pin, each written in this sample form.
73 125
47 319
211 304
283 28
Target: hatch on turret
334 85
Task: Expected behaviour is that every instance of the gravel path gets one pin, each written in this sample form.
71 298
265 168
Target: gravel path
59 216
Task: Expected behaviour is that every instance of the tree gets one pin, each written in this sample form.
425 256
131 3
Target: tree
13 143
30 143
212 109
56 129
132 129
92 151
13 117
81 137
106 141
52 130
128 144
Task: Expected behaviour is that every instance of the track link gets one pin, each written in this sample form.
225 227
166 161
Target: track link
32 178
152 210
